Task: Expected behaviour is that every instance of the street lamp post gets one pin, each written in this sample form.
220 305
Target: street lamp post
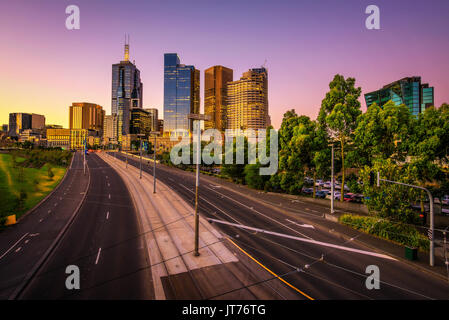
155 133
332 181
198 117
140 177
431 227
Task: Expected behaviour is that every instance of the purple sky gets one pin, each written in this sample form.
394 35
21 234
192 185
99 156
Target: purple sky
46 67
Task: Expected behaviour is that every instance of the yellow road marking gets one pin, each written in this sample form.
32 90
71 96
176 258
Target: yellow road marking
274 274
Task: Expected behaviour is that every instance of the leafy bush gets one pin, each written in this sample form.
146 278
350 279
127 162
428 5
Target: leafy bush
397 232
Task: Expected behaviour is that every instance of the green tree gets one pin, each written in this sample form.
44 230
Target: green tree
339 112
391 201
252 177
382 133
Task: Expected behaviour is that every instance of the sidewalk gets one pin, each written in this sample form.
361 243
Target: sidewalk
167 223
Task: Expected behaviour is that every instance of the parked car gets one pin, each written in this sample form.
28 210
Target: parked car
445 199
320 194
307 190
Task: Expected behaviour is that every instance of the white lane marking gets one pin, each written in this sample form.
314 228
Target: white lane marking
107 215
325 244
60 198
18 249
260 213
49 211
98 256
109 184
10 248
109 196
211 204
41 220
301 225
26 241
56 204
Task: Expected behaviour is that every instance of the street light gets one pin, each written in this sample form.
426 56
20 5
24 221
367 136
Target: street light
140 137
431 227
198 117
155 134
332 180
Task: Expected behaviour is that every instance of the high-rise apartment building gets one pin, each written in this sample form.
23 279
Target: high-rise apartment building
83 115
181 95
215 96
247 101
409 91
127 92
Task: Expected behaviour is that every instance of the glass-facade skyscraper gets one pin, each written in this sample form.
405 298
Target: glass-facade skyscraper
181 95
409 91
127 93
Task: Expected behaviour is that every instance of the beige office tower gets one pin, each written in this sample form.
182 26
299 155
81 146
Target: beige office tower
88 116
247 102
215 92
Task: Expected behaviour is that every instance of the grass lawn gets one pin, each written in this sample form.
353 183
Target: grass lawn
35 183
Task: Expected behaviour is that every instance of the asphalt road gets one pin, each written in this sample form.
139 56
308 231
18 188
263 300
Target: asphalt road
103 242
22 245
318 271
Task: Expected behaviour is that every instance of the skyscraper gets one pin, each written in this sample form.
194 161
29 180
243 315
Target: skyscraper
140 122
247 101
181 95
84 115
127 92
215 96
409 91
110 128
154 115
24 121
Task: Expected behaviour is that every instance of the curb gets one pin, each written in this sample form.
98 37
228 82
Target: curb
44 258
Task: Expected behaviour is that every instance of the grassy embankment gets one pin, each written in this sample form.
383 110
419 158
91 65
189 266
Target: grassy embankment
21 187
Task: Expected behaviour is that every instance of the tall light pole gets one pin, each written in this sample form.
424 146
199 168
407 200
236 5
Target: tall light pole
432 227
332 181
140 175
198 117
155 133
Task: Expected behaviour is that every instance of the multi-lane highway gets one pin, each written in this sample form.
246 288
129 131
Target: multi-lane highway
316 263
103 242
23 245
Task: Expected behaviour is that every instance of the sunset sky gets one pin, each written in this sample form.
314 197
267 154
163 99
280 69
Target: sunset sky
45 67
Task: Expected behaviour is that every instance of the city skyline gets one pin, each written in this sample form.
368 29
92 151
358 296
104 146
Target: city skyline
312 51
